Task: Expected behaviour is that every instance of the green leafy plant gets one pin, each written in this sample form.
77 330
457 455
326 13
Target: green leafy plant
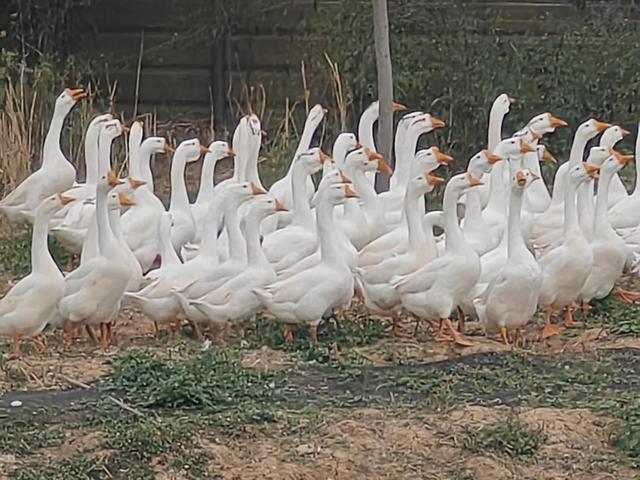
509 437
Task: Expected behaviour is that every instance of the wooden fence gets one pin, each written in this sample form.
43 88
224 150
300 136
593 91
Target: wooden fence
160 63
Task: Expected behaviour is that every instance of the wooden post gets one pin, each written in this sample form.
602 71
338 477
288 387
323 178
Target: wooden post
385 85
218 78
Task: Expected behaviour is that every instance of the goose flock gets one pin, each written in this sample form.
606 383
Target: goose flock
507 243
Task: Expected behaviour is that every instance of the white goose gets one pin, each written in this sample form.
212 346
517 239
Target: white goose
25 309
511 298
566 267
374 281
93 291
625 214
184 228
56 174
434 290
305 297
234 300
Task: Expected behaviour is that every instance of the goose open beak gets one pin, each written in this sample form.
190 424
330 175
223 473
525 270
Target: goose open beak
623 159
437 123
555 122
204 150
492 158
325 158
474 182
125 201
76 94
135 184
257 189
526 147
398 107
280 207
521 178
547 157
344 178
433 180
231 153
442 158
112 179
592 170
349 192
601 126
168 148
65 199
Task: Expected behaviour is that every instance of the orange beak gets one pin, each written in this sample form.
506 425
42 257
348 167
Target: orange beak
349 193
371 155
383 167
437 123
601 126
168 148
344 178
325 110
75 94
398 107
204 150
474 182
257 189
135 184
124 128
442 158
547 157
280 207
64 199
555 122
112 179
492 158
592 170
526 147
521 178
231 153
433 180
623 159
624 132
511 99
125 201
325 158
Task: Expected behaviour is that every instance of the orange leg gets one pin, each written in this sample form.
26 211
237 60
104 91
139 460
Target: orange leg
110 333
15 345
568 320
217 333
457 338
68 335
104 337
439 331
287 332
396 328
177 325
550 329
313 333
626 296
91 333
505 335
586 309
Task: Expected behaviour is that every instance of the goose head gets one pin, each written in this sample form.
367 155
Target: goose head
591 128
430 158
615 162
544 123
346 140
613 135
99 119
315 116
54 203
265 205
462 183
311 161
482 162
513 147
544 155
423 183
523 178
374 109
219 150
502 103
68 98
239 193
108 181
581 173
112 129
156 145
191 149
254 126
424 123
367 160
337 194
597 155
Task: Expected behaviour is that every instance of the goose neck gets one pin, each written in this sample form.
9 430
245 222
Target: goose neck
179 197
107 243
41 259
104 154
51 149
571 226
251 229
205 190
237 247
416 233
365 129
454 239
143 168
329 250
601 223
516 245
301 209
91 156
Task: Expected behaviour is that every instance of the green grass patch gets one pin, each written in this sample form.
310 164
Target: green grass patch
15 254
23 437
77 467
626 437
210 380
510 437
